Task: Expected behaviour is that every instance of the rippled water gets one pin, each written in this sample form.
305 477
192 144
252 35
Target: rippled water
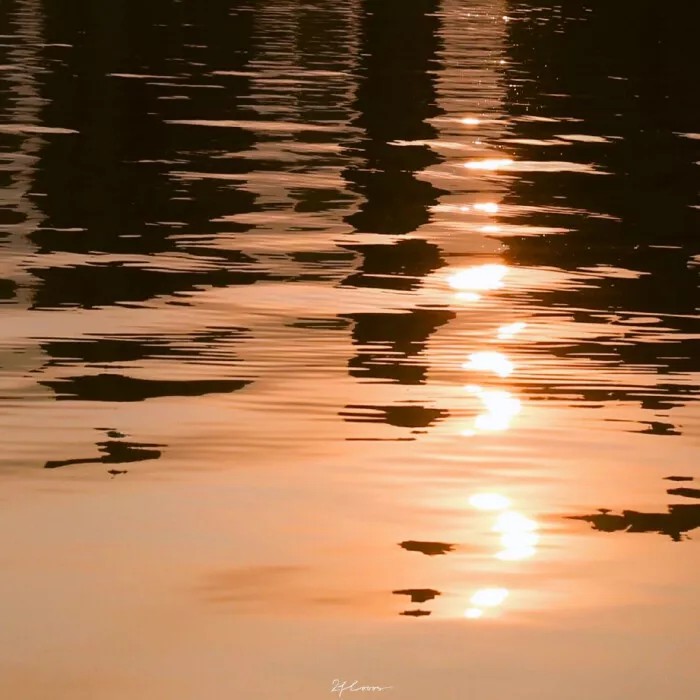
348 341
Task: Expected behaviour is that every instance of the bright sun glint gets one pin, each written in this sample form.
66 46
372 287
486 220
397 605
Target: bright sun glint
479 278
510 522
501 407
516 553
490 361
489 597
488 207
489 501
511 329
489 164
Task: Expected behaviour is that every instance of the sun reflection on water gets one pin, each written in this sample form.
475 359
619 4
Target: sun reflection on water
518 539
510 330
479 278
489 597
490 361
500 406
488 207
489 501
489 164
517 535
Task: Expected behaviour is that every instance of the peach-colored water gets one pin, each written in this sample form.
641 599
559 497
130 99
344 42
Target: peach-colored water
347 341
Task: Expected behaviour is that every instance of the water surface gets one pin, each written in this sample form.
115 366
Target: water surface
349 341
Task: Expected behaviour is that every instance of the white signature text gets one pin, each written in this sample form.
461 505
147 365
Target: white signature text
340 687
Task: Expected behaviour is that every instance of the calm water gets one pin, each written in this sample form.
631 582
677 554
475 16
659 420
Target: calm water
349 340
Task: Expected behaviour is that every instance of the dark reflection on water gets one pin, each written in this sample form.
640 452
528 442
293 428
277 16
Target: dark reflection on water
679 519
418 595
117 387
114 452
416 613
430 548
600 88
109 349
407 416
391 345
396 96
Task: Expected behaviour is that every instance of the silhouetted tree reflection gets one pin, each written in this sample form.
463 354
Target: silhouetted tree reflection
7 290
401 416
415 613
418 595
109 186
401 265
113 452
118 387
688 493
430 548
602 87
391 345
679 519
396 98
208 346
659 428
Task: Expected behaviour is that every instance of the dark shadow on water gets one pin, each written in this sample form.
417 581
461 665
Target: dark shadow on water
113 452
400 266
395 100
688 493
396 97
418 595
431 549
92 286
416 613
679 519
610 86
200 347
408 416
7 290
390 346
116 387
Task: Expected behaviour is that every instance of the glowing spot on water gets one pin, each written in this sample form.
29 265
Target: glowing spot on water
508 331
490 361
516 554
489 164
519 539
489 501
471 121
501 407
511 521
489 597
473 613
488 207
468 296
479 278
